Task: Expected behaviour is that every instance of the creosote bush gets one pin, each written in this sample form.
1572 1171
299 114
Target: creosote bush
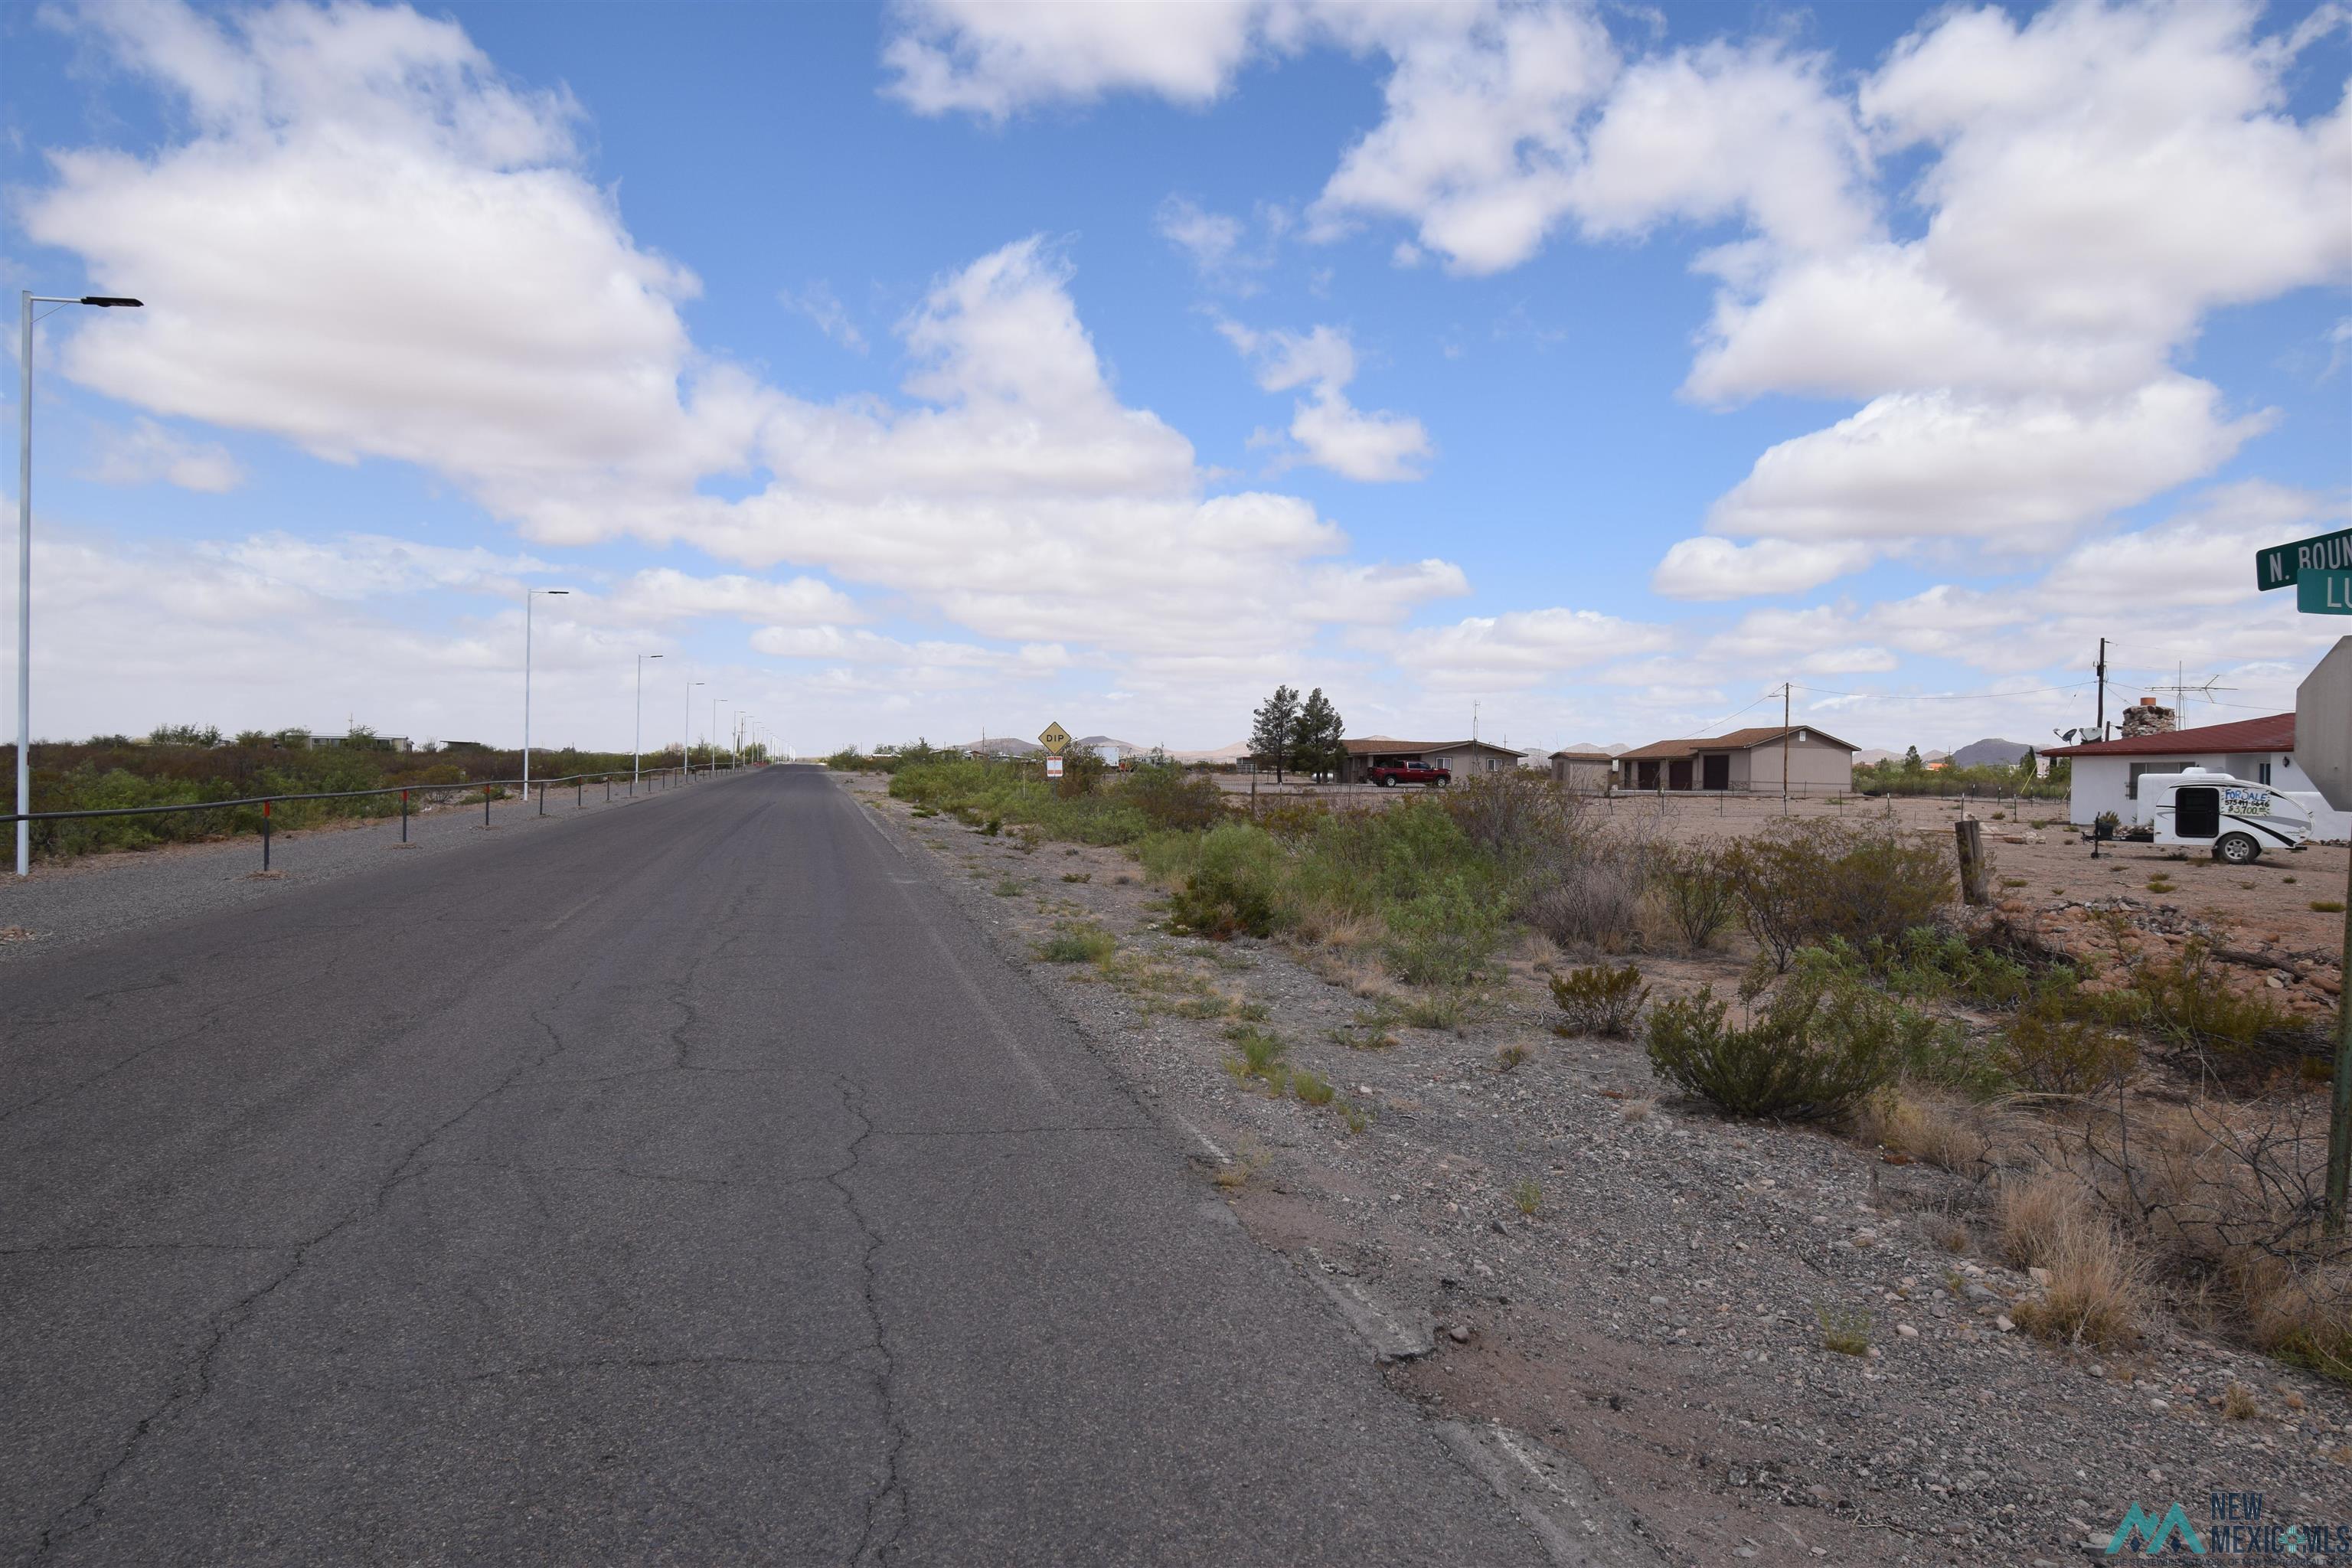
1803 882
1808 1053
1700 894
1600 999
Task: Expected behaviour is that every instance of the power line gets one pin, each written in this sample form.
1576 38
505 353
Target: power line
1944 696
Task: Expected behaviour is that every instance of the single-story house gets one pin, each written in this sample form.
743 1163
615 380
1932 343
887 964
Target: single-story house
1746 762
1464 759
2106 774
1582 770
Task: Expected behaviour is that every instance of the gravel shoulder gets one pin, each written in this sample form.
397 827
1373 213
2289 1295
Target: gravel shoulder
1658 1320
63 904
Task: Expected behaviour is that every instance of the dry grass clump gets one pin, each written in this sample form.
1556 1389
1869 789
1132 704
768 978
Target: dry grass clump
2096 1286
2301 1315
1942 1130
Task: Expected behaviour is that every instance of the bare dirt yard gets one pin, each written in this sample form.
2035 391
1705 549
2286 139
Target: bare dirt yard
1773 1344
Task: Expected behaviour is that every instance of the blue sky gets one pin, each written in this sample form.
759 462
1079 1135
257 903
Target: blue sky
951 366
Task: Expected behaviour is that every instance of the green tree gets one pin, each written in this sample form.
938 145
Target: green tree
1911 762
1317 744
1274 729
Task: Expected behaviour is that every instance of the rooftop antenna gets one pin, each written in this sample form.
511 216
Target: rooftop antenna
1474 720
2181 688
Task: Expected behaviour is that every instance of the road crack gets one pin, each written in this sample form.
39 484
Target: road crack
887 1508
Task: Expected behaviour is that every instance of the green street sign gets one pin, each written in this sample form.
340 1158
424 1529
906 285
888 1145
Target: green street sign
2282 565
2324 593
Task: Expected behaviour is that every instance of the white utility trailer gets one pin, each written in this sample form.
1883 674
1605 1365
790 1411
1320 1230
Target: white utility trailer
2235 820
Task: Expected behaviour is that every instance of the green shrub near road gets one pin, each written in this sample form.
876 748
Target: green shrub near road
1808 1054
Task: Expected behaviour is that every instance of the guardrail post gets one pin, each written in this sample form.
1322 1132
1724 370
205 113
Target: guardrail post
579 794
404 817
542 800
264 835
608 789
486 805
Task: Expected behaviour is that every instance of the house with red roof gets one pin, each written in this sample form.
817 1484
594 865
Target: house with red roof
2107 774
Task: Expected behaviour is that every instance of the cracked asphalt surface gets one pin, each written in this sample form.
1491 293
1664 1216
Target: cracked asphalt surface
691 1184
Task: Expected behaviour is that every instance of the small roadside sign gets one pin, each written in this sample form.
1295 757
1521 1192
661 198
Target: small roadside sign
2282 565
1053 767
2324 593
1053 738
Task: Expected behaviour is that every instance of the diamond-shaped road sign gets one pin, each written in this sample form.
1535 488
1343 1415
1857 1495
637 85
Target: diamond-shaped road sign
1053 738
2323 725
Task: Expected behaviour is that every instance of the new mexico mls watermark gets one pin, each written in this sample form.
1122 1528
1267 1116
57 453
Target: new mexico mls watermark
2235 1525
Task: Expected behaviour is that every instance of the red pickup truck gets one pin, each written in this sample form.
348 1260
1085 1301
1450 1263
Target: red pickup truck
1387 774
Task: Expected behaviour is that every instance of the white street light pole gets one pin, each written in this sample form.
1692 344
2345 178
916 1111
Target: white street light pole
27 300
528 595
689 724
714 732
637 734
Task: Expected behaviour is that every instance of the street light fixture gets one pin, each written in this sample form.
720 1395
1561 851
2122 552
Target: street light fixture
637 734
27 300
528 595
688 744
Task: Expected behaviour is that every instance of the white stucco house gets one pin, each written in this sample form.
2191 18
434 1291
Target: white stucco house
2261 751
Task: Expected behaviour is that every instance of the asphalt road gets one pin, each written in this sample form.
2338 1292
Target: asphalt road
688 1185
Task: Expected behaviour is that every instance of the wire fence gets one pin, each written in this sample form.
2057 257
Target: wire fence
53 834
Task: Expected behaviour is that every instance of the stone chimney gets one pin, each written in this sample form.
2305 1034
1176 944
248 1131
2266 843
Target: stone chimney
2146 716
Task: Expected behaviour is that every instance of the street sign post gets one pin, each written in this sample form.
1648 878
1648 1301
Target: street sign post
1053 738
2323 749
2282 565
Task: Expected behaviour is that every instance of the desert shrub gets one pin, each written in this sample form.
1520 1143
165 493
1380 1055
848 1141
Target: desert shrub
1590 896
1231 887
2053 1047
1443 936
1078 943
1925 1049
1802 883
1292 818
1172 799
1700 895
1312 1087
1600 999
2194 1015
1518 816
1808 1054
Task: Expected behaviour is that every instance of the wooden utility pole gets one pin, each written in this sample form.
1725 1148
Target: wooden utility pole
2102 668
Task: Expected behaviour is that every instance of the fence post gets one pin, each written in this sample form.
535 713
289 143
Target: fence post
264 835
486 805
404 817
1968 835
542 800
579 794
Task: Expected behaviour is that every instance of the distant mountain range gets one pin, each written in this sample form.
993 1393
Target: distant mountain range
1989 753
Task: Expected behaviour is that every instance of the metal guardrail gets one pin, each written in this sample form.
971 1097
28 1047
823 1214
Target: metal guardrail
579 781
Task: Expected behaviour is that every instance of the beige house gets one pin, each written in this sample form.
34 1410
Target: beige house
1745 762
1582 770
1464 759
